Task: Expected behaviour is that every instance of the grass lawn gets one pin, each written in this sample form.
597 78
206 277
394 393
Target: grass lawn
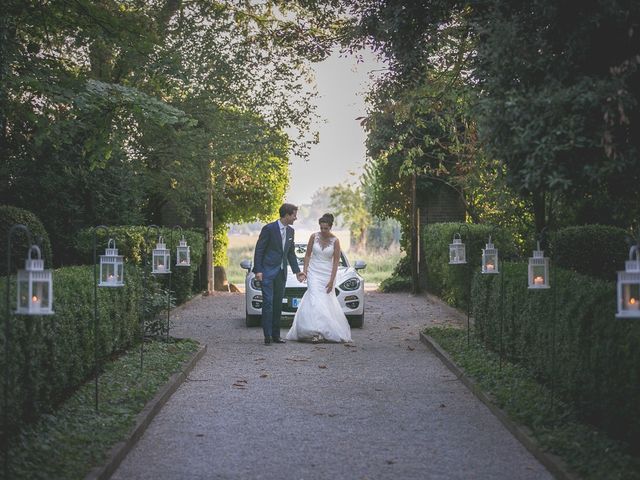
70 441
554 425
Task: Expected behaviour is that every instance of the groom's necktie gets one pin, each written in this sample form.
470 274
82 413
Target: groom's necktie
283 234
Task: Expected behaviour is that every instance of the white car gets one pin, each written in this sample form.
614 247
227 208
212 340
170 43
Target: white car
349 291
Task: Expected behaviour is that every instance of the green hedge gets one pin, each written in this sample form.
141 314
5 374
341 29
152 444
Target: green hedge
51 355
596 250
591 358
595 360
451 282
10 216
135 243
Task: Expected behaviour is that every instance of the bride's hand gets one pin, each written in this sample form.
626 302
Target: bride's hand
329 287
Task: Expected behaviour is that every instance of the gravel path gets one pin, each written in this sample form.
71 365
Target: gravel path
382 408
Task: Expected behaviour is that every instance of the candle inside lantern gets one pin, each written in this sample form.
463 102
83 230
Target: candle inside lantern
539 280
34 299
160 266
633 304
490 266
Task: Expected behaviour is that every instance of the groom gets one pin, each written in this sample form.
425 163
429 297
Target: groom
274 249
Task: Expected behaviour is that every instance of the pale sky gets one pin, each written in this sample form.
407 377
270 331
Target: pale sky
340 154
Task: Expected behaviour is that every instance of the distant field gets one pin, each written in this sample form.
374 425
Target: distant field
380 264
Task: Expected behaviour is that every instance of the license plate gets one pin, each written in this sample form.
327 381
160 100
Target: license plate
295 302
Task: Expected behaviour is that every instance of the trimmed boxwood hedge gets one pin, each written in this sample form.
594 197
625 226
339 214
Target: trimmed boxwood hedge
568 335
596 250
51 355
135 243
450 282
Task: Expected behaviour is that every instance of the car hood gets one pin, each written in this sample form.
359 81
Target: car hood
343 274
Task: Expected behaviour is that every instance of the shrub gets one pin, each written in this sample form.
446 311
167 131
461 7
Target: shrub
135 243
596 250
569 337
52 355
451 282
10 216
400 279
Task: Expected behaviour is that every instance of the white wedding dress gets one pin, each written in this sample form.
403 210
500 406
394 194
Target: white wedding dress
319 315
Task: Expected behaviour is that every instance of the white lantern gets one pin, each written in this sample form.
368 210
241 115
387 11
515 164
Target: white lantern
111 267
457 251
161 258
538 270
490 258
183 254
629 287
35 287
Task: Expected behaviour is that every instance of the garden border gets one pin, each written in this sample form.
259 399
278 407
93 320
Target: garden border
554 464
119 451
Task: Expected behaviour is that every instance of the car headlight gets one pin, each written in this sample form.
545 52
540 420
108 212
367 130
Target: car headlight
351 284
256 284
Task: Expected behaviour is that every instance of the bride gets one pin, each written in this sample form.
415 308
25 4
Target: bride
319 316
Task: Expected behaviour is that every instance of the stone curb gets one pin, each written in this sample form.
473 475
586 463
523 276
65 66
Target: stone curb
554 464
119 451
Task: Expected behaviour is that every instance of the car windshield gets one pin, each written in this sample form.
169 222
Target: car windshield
301 249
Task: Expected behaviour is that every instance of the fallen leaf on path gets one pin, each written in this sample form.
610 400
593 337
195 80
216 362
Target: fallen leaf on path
391 462
264 375
394 328
297 359
322 366
442 405
411 348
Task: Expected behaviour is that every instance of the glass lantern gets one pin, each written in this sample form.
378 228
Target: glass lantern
111 267
161 258
490 258
629 287
457 251
35 287
538 270
183 254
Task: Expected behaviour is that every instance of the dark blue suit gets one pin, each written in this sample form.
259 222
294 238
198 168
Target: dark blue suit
271 259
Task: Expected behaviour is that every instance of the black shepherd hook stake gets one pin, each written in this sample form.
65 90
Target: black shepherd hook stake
469 272
96 319
542 240
145 260
7 341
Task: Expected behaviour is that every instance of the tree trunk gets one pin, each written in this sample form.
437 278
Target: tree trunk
209 237
539 211
415 239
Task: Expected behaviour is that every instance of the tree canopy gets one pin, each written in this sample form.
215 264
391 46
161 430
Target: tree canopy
549 90
118 111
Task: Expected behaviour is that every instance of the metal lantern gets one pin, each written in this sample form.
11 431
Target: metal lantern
35 287
161 258
183 254
457 251
490 258
629 286
111 267
538 270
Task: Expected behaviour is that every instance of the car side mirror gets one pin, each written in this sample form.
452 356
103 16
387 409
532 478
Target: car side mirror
360 265
246 264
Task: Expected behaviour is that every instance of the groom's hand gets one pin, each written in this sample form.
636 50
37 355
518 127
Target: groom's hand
259 276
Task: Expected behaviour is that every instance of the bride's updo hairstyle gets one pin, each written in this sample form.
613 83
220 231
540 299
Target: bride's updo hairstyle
326 218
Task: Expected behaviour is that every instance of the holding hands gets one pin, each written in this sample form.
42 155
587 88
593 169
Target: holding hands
301 276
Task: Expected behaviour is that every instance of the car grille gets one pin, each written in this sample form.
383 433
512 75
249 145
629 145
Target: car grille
289 295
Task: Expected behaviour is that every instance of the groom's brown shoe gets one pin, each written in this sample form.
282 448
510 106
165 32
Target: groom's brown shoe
279 340
267 340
